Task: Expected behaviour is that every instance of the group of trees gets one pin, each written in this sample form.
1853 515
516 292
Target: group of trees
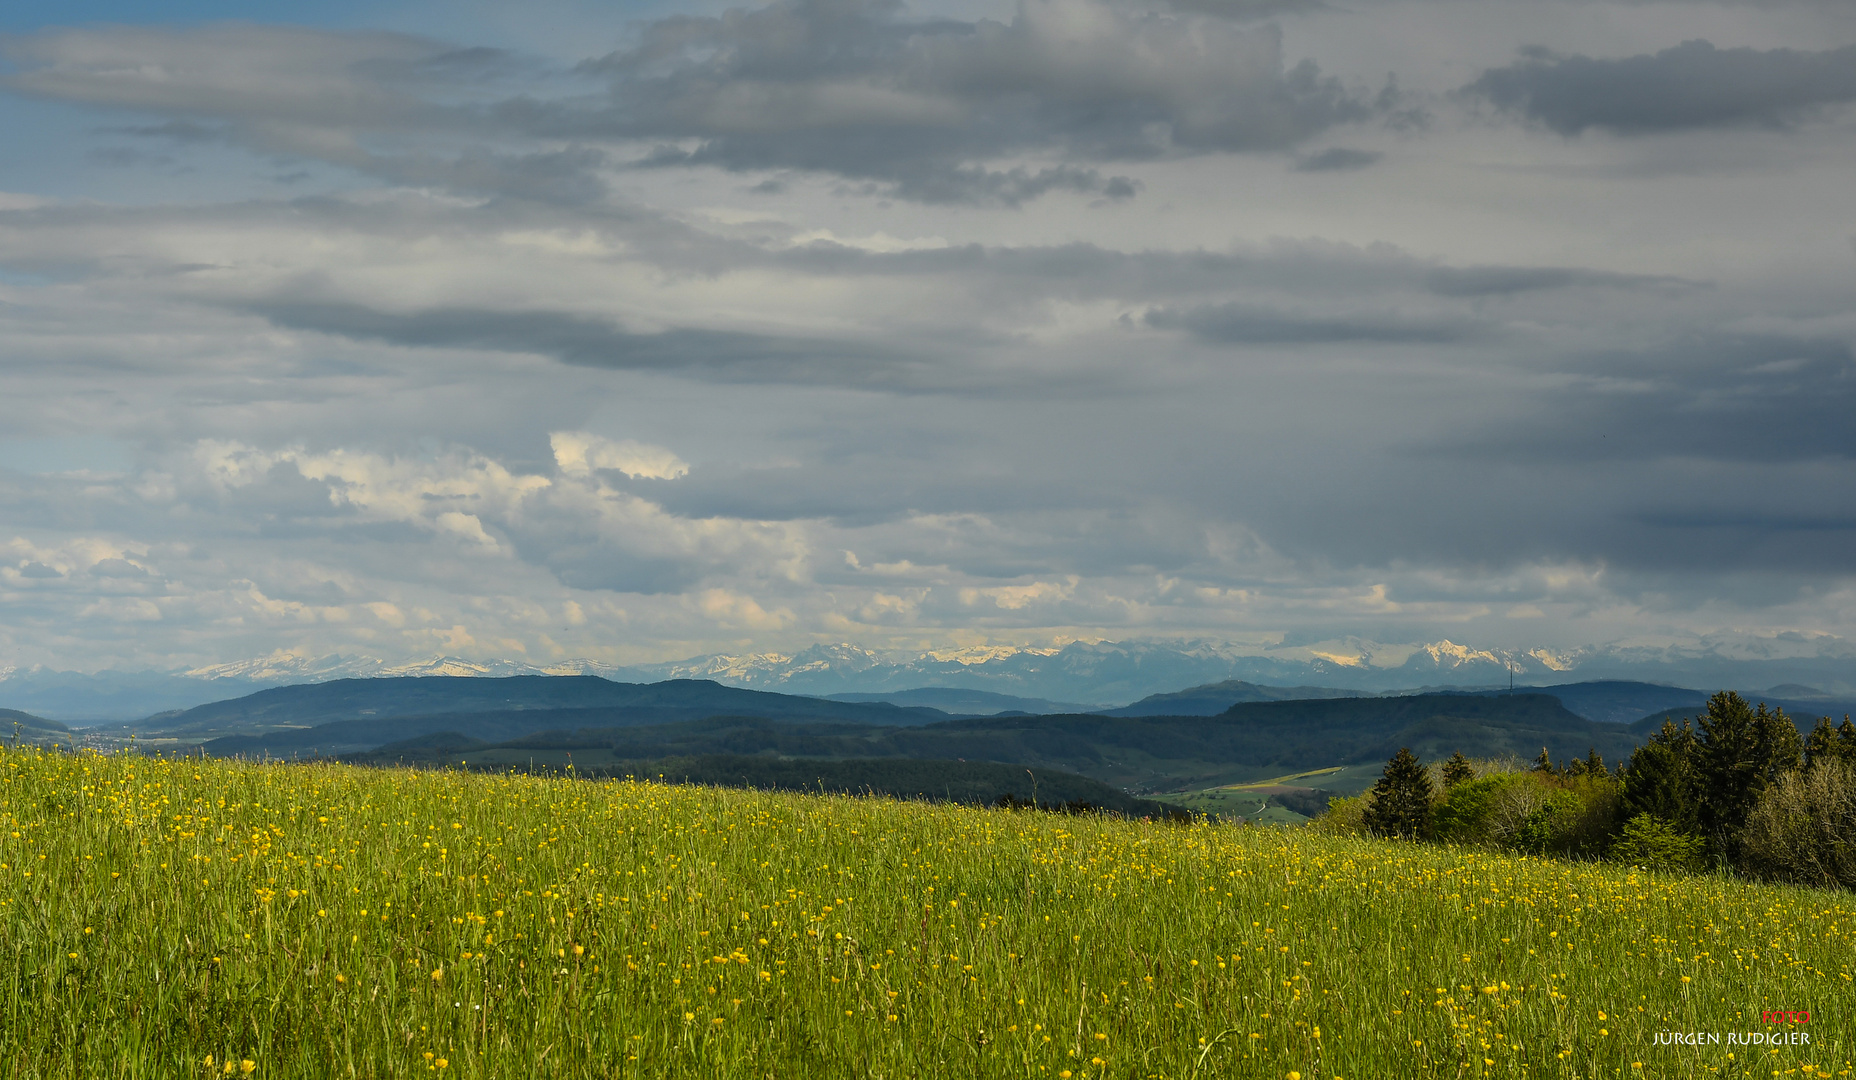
1738 787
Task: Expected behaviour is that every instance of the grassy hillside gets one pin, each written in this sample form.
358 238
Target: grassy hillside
170 918
969 782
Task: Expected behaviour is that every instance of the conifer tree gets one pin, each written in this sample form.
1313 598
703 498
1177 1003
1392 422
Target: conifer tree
1457 770
1660 780
1401 800
1741 752
1827 744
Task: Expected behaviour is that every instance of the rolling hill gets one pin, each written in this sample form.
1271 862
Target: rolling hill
365 703
1140 754
957 702
29 724
1214 698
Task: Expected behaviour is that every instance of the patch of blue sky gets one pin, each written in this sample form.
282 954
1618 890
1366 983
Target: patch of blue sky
66 454
548 26
72 153
25 17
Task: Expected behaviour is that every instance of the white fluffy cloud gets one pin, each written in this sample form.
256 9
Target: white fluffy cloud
578 453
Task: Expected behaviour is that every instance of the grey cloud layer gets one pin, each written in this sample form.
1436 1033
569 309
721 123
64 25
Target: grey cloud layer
856 90
548 364
1692 85
931 109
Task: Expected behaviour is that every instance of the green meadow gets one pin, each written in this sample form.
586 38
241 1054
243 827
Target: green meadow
164 918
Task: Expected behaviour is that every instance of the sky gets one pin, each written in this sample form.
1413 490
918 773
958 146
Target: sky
639 331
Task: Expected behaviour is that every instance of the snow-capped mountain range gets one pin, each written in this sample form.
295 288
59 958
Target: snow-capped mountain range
1104 672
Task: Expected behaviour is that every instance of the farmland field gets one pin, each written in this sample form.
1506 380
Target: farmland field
165 918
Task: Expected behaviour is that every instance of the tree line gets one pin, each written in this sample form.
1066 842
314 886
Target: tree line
1738 787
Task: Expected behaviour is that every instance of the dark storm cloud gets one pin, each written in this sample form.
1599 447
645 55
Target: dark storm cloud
1723 398
1693 85
586 342
1244 324
1338 159
856 90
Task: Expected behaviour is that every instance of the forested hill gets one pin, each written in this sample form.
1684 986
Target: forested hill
1140 753
1433 726
1214 698
9 717
312 704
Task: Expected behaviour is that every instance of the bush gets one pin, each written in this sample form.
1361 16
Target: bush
1343 817
1546 828
1531 811
1587 828
1464 815
1654 844
1803 828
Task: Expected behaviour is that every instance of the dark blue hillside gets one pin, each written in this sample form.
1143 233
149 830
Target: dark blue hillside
379 699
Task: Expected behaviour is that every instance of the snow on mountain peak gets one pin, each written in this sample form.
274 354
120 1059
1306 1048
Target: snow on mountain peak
981 654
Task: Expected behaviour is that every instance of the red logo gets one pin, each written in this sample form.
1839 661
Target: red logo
1785 1016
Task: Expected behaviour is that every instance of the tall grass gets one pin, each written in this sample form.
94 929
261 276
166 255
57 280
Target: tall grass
163 919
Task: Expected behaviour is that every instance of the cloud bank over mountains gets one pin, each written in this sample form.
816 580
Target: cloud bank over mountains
926 326
1097 675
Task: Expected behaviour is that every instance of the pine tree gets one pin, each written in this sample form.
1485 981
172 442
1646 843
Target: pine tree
1457 770
1828 744
1401 800
1741 752
1661 781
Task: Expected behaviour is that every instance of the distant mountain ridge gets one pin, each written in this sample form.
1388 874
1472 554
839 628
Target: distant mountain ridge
368 706
1215 698
1099 674
957 702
